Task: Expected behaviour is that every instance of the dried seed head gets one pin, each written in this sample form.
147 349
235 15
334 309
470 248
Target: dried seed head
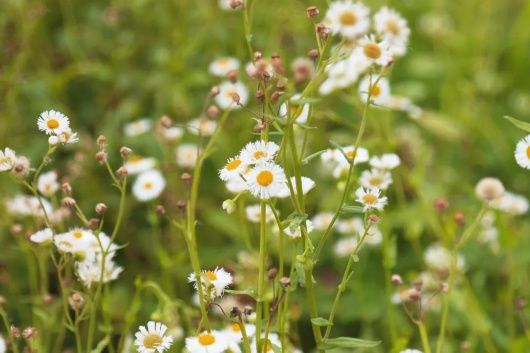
93 223
165 121
312 11
29 333
101 157
441 204
68 202
313 54
101 208
160 210
125 152
277 64
396 280
459 218
76 301
122 171
271 274
186 178
489 189
213 111
101 141
285 282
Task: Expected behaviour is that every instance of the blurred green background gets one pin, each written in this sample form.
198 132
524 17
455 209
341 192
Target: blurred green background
105 63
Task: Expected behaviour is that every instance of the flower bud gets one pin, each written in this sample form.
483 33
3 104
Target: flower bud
396 280
234 4
285 282
214 91
312 11
125 152
101 208
160 210
68 202
122 171
53 140
229 206
232 76
186 178
15 331
271 274
101 157
213 111
93 223
441 204
313 54
181 204
459 218
29 333
67 188
414 294
165 121
47 299
76 301
102 140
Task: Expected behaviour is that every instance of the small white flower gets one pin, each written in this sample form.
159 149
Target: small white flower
347 18
307 185
411 351
223 65
2 345
387 161
322 220
359 155
393 29
89 271
233 335
67 136
47 183
214 282
329 155
187 155
202 126
227 91
53 140
137 127
23 205
232 169
345 247
172 133
207 342
376 178
259 151
137 164
266 180
377 53
292 106
52 122
489 189
253 213
370 198
152 339
149 185
44 236
522 152
439 258
511 203
379 92
8 159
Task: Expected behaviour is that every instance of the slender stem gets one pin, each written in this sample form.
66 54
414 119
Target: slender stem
261 270
424 337
12 339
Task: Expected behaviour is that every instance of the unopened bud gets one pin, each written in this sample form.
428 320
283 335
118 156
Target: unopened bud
322 30
160 210
125 152
234 4
418 284
275 96
260 95
101 208
414 294
229 206
16 228
93 223
186 178
282 83
459 218
236 98
285 282
213 111
102 140
47 299
520 303
214 91
101 157
15 331
122 171
271 274
257 55
29 333
396 280
259 127
166 121
181 204
67 188
232 76
68 202
373 218
312 11
441 204
465 345
313 54
76 301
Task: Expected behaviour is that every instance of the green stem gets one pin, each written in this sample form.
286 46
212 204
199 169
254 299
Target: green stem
261 271
424 337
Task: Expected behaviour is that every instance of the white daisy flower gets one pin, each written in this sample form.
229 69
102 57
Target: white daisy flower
393 29
223 65
172 133
23 205
152 339
235 186
187 155
253 213
137 164
52 122
329 155
522 152
379 92
227 92
149 185
207 342
44 236
233 335
77 242
307 185
344 73
511 203
137 127
47 183
371 198
297 232
2 345
374 52
232 169
67 136
489 189
322 220
345 247
359 155
7 159
266 180
259 151
273 343
292 107
347 18
438 258
387 161
89 271
214 282
202 126
376 178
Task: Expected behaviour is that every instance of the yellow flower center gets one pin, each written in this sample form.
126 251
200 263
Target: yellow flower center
369 199
206 339
230 93
259 154
210 275
135 159
375 90
372 50
264 178
528 151
77 234
376 181
152 341
148 185
347 18
351 153
392 27
235 327
233 164
223 61
52 123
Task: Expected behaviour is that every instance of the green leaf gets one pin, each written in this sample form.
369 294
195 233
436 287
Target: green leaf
523 125
347 342
320 321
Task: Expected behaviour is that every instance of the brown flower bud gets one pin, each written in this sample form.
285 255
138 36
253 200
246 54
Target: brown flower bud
101 157
285 282
76 301
313 54
122 171
29 333
234 4
165 121
441 204
259 127
459 218
160 210
277 64
47 299
214 91
414 294
373 218
102 140
68 202
312 11
213 111
275 96
16 228
125 152
260 95
520 303
322 30
181 204
232 76
257 55
101 208
67 188
271 274
236 98
396 280
186 178
93 223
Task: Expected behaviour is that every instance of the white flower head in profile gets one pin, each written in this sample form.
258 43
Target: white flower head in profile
47 183
387 161
213 282
137 164
307 185
8 159
393 28
202 126
187 155
292 107
149 185
43 237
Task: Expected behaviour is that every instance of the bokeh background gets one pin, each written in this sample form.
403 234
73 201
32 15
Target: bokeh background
106 63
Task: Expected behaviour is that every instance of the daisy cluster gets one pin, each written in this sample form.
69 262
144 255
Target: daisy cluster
57 125
86 248
371 43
